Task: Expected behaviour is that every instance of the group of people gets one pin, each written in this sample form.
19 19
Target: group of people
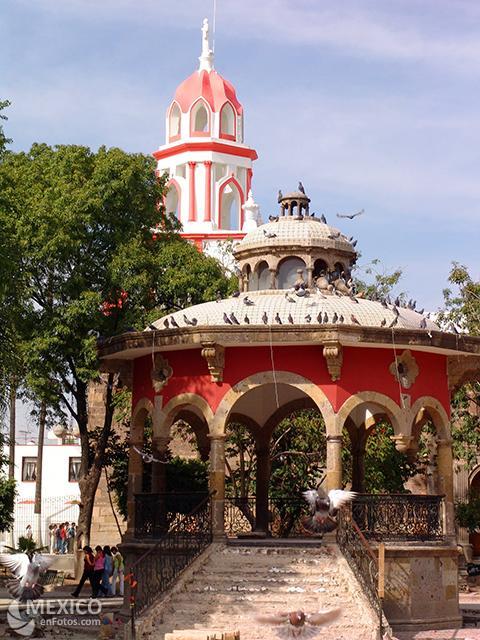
104 569
62 537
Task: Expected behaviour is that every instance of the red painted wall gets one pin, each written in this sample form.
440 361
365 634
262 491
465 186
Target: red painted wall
363 369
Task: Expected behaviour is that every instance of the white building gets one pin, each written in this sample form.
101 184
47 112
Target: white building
60 492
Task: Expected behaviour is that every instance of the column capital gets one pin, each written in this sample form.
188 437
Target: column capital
217 436
192 163
207 163
335 438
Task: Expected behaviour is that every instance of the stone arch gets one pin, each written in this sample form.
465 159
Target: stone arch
174 122
309 388
182 402
228 121
200 119
436 412
173 198
390 407
261 277
230 197
142 410
287 271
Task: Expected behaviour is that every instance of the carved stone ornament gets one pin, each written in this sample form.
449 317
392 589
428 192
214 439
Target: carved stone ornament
402 442
214 354
161 372
405 369
333 354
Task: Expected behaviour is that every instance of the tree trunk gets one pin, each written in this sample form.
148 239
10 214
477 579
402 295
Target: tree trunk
37 510
13 418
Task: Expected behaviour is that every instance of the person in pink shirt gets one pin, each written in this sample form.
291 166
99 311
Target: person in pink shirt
98 572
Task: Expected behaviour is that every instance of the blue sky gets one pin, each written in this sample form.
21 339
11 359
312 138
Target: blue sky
372 104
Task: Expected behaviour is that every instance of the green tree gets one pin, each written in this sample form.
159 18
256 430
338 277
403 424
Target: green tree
82 222
7 491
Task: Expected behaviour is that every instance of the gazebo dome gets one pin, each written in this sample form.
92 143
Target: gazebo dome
209 86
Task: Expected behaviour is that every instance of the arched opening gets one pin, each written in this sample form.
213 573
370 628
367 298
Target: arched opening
231 200
339 269
320 267
172 199
288 272
175 122
200 119
261 277
227 122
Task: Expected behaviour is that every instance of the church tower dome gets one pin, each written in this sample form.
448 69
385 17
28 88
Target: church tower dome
208 165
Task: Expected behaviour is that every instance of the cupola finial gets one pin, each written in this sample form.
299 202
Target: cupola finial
206 58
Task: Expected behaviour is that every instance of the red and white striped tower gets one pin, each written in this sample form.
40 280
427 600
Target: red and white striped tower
208 164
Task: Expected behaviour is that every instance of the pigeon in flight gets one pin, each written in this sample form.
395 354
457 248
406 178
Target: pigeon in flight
324 508
24 586
352 215
298 624
147 457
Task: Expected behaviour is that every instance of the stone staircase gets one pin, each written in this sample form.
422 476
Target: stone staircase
225 590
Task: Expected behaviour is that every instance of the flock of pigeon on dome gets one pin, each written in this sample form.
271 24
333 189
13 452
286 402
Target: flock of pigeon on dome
332 299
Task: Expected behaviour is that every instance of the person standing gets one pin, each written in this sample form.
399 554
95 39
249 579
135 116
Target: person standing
88 571
118 572
71 538
29 532
58 538
107 570
98 572
51 532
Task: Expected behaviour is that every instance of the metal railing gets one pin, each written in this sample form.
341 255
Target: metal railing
284 515
362 560
157 569
157 513
404 517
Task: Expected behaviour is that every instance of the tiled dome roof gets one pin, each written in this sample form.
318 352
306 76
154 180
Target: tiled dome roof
308 232
210 86
366 312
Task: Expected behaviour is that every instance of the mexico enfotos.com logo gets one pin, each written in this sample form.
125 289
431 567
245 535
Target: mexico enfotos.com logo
23 618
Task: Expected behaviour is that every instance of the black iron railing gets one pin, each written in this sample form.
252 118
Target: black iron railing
157 513
284 516
399 516
157 569
361 558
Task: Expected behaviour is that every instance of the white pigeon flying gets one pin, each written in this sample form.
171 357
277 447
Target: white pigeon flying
324 508
24 586
298 624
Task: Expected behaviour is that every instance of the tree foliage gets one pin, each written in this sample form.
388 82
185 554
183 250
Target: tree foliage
81 222
7 491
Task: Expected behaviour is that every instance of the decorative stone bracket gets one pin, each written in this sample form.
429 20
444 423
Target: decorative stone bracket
214 354
161 372
405 369
333 354
402 442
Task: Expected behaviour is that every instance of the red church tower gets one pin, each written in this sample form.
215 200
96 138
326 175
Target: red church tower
208 164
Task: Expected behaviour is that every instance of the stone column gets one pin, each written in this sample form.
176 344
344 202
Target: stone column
217 483
135 477
261 492
334 462
249 181
273 273
159 482
191 180
445 477
309 271
359 444
207 216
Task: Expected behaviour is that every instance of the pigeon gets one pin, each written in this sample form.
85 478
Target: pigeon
233 318
265 318
289 298
219 297
353 299
423 323
297 624
384 304
24 586
173 322
147 457
324 508
325 318
393 322
278 319
187 321
383 322
290 318
452 329
269 234
226 319
247 301
301 188
273 218
194 322
246 319
354 319
165 323
351 216
334 235
341 319
280 195
395 310
319 318
354 243
323 219
313 214
236 294
334 318
308 318
397 301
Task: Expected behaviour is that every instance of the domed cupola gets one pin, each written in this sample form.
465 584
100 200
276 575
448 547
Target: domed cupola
209 166
292 246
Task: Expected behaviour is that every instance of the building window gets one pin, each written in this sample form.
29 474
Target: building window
74 469
29 469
